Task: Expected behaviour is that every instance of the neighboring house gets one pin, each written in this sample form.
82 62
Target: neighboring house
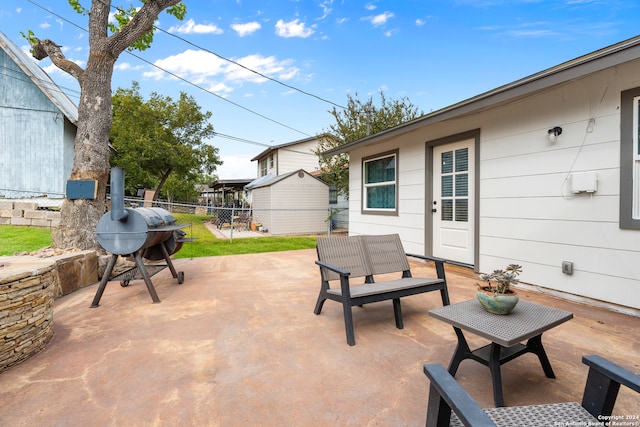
292 203
283 159
491 180
289 157
38 123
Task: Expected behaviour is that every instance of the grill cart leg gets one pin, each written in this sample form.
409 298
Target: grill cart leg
104 280
145 276
167 257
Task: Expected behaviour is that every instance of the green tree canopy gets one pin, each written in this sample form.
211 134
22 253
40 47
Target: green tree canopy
359 120
132 29
159 138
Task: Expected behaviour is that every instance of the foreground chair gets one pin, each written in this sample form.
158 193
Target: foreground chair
600 393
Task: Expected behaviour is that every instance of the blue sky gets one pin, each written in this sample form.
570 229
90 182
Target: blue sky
435 53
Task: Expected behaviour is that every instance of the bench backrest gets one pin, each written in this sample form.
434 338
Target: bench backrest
385 253
362 255
346 252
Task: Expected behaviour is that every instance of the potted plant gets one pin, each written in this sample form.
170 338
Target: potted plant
495 293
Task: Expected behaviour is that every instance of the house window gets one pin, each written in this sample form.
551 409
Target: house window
263 167
380 183
271 161
630 159
333 195
455 185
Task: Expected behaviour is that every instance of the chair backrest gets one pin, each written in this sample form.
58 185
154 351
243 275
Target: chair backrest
345 252
386 253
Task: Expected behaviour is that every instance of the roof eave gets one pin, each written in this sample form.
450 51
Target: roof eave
587 64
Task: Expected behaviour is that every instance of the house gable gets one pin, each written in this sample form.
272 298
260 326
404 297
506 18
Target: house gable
38 124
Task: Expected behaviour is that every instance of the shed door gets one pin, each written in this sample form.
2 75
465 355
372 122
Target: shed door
452 204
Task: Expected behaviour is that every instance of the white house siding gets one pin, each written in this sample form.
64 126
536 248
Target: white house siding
526 213
261 203
307 198
295 204
290 157
299 156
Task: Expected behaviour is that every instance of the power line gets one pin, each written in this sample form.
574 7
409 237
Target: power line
251 70
216 95
195 85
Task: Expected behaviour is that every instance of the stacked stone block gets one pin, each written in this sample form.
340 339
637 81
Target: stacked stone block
27 213
26 314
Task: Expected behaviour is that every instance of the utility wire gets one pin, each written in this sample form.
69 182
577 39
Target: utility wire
195 85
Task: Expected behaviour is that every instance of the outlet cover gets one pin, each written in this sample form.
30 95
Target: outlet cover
567 267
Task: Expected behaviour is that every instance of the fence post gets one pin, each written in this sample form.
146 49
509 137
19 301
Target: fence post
233 208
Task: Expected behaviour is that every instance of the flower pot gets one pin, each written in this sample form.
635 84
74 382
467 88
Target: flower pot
497 303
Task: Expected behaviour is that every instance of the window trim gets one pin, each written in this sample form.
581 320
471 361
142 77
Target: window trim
379 211
627 159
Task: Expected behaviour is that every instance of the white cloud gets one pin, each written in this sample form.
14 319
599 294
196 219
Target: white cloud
266 65
125 66
247 28
293 28
420 22
221 76
45 25
370 6
326 8
190 27
380 19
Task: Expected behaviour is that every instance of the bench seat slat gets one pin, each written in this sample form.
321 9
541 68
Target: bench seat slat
384 287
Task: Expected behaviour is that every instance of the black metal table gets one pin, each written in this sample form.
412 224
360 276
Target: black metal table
527 322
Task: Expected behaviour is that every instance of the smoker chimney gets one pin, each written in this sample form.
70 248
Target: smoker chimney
118 212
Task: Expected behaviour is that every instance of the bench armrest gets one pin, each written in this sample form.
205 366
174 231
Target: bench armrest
603 383
446 395
340 271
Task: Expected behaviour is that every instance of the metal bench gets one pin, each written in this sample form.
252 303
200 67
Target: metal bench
345 258
599 397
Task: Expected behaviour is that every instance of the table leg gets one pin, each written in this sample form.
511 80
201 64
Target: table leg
534 345
462 352
496 376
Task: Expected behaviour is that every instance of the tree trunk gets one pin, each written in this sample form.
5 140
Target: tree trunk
80 217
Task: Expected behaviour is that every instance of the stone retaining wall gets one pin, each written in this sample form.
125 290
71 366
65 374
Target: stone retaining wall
26 315
27 213
28 288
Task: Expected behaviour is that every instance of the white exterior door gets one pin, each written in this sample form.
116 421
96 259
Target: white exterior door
452 204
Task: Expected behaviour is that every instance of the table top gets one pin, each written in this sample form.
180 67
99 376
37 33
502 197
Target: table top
525 321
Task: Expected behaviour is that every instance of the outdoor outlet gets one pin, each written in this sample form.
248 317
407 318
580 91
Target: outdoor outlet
567 267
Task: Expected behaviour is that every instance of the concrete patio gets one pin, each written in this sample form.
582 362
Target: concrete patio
237 344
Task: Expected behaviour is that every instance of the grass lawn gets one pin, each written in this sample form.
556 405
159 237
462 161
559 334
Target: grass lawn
14 238
209 245
19 239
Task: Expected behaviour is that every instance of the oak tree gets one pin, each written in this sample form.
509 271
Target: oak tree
130 29
359 120
161 138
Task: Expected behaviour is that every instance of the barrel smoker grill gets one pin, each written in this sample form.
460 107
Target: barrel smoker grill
149 233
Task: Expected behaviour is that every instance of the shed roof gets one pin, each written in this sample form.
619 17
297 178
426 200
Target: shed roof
40 78
270 179
610 56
